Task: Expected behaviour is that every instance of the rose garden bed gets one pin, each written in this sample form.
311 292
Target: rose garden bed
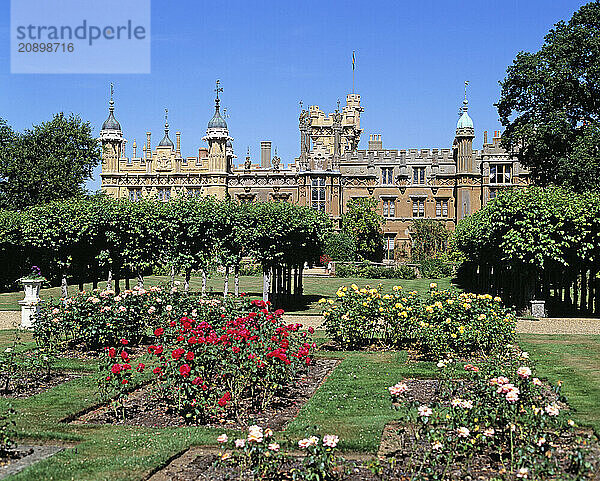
146 407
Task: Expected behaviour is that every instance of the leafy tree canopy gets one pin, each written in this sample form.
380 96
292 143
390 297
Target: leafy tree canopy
362 222
51 161
550 104
428 238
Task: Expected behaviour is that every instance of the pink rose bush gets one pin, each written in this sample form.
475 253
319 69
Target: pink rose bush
438 324
258 453
499 411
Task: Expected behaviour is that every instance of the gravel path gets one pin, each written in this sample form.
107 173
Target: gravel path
11 319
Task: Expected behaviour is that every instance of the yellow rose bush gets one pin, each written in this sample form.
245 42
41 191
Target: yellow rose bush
444 322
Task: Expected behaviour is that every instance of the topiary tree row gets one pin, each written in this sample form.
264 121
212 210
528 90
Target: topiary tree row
531 243
82 240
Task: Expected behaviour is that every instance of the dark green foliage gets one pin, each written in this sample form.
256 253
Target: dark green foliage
48 162
433 268
549 104
82 239
428 238
340 246
369 271
529 236
363 224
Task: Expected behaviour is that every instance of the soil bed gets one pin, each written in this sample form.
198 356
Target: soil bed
399 442
25 386
145 408
197 464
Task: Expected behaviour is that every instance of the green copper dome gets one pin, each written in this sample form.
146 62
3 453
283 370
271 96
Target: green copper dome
111 123
166 141
465 121
217 122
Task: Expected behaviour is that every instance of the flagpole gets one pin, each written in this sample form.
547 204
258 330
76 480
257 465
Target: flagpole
353 71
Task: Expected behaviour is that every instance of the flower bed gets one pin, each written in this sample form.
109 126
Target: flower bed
208 368
93 320
498 420
442 323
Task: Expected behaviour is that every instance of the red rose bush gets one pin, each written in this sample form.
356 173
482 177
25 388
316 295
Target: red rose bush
205 368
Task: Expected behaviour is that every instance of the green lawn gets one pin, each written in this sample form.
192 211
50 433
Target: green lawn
353 403
575 360
314 289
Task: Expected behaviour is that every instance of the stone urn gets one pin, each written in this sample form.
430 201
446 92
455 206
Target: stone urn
31 288
29 305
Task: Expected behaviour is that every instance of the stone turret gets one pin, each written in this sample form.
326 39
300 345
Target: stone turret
217 137
463 142
111 139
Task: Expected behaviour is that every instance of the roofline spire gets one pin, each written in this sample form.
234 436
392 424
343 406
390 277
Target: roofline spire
111 102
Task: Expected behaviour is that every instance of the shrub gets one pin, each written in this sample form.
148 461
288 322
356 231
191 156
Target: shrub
209 363
102 318
445 322
501 413
369 271
434 268
340 246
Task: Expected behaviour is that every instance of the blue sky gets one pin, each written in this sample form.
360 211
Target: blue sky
411 61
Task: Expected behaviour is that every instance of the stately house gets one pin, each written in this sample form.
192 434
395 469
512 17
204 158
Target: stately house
445 184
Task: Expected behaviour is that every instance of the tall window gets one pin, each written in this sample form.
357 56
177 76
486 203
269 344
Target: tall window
441 208
418 175
389 208
318 193
389 248
194 191
135 194
387 175
418 207
500 173
164 195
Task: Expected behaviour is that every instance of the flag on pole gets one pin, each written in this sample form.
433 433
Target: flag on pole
353 59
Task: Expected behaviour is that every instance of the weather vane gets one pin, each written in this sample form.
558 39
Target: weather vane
301 105
218 89
466 83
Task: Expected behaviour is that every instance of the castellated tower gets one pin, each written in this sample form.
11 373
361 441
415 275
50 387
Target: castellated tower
467 179
217 137
111 139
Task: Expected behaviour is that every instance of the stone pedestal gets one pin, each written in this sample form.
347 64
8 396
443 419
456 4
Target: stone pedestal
538 309
29 305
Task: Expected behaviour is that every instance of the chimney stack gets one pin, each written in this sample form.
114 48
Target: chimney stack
375 142
178 144
265 154
148 146
484 137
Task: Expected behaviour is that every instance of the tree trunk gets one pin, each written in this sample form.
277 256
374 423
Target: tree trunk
186 284
140 278
109 280
81 287
203 282
172 277
226 282
583 299
127 285
301 286
236 281
95 284
266 283
117 285
64 287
